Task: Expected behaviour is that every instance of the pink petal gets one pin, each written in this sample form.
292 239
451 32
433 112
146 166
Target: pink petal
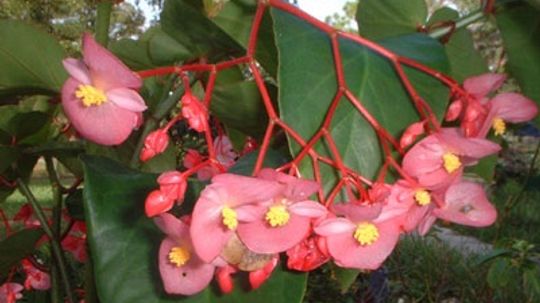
188 279
106 124
467 204
296 189
357 212
424 157
347 252
208 233
334 226
172 227
309 209
482 85
260 237
425 224
475 148
77 70
127 99
513 107
242 190
107 70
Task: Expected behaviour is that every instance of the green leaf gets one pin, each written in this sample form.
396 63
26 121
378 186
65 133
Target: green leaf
124 244
531 279
186 23
500 273
238 103
307 87
465 60
17 247
379 19
162 162
520 29
8 155
345 277
134 53
164 50
491 255
31 60
74 205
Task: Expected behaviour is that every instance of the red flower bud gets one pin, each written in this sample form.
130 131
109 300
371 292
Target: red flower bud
454 110
258 277
195 112
155 143
157 203
224 279
173 184
308 255
410 134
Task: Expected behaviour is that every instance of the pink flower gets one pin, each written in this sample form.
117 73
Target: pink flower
181 269
466 203
438 160
284 220
154 144
362 238
308 254
100 98
35 278
10 292
75 242
195 112
481 86
172 187
223 206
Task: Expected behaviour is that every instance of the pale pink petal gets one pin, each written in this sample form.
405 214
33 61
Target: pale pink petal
425 224
172 227
482 85
106 70
308 209
188 279
475 148
77 69
334 226
424 157
513 107
347 252
127 99
208 233
357 212
251 212
260 237
467 204
106 124
242 190
296 189
439 179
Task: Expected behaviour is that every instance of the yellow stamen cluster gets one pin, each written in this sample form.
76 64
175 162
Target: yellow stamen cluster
422 197
499 126
229 217
277 216
90 95
451 162
179 256
366 233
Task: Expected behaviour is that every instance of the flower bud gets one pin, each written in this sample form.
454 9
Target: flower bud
258 277
155 143
410 134
157 203
194 112
173 184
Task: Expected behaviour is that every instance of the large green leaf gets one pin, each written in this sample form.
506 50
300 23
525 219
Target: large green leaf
307 85
379 19
124 244
30 60
465 60
520 28
17 247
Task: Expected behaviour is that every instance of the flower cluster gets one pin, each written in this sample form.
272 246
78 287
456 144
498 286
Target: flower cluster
242 223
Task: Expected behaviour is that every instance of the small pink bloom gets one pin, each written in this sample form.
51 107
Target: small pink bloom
100 98
225 155
194 111
10 292
466 203
154 144
258 277
35 278
157 202
181 269
411 133
224 149
284 220
362 237
223 206
438 160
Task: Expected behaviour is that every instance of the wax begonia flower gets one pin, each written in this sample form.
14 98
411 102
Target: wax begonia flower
100 98
194 111
10 292
308 254
285 220
359 238
466 203
438 160
507 107
223 206
154 144
172 188
35 278
181 269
